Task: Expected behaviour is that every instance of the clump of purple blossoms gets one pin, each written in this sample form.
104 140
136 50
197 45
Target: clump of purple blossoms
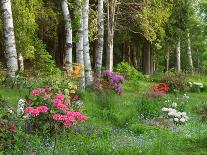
115 80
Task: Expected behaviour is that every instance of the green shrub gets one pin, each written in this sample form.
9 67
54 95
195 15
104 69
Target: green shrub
176 81
149 108
202 111
129 71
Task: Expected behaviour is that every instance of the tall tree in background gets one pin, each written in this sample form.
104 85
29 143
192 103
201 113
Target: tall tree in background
189 52
178 61
68 29
111 10
87 60
10 53
99 52
79 44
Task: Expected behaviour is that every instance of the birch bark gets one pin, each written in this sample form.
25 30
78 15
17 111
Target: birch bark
10 53
68 29
87 60
79 44
178 63
99 52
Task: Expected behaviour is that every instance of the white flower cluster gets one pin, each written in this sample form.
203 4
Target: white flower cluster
178 117
186 97
199 85
20 109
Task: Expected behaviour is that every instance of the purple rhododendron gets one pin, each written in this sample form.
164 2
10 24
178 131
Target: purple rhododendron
115 80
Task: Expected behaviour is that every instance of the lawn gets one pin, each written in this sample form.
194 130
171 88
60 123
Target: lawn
115 126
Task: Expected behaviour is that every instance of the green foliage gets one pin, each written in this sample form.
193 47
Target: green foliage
202 111
7 127
129 72
176 81
149 108
43 60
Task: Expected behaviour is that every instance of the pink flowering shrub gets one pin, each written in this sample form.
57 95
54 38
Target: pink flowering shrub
46 106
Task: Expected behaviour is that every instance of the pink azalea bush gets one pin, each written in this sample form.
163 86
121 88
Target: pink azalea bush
46 106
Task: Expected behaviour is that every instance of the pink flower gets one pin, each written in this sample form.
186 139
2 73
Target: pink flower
38 91
2 124
47 90
35 112
29 109
67 101
72 120
75 97
12 128
67 124
47 96
60 97
77 115
35 93
59 105
59 117
57 101
42 108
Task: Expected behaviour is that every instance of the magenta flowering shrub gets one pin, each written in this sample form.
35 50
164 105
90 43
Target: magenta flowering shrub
114 80
56 110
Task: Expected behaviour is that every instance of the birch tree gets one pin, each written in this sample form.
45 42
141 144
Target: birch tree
111 10
99 52
87 61
189 52
68 29
10 53
178 63
79 44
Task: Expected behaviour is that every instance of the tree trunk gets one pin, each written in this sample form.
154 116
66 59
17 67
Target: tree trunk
79 45
99 52
167 59
189 52
123 52
178 63
87 61
68 29
146 59
129 54
21 62
10 53
111 9
135 56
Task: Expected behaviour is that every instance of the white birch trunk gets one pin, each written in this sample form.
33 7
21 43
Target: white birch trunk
79 44
99 52
111 10
21 62
178 63
10 53
68 29
87 61
189 52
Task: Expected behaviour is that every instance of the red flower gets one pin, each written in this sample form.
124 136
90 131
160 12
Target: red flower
75 97
29 100
161 87
2 124
12 128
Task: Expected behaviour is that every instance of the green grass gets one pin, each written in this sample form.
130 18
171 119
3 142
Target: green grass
114 126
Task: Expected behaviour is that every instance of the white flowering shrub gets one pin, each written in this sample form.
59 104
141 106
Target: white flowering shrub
20 108
177 116
196 86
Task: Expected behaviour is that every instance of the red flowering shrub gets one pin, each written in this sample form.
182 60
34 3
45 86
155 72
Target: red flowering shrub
7 127
161 88
46 106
